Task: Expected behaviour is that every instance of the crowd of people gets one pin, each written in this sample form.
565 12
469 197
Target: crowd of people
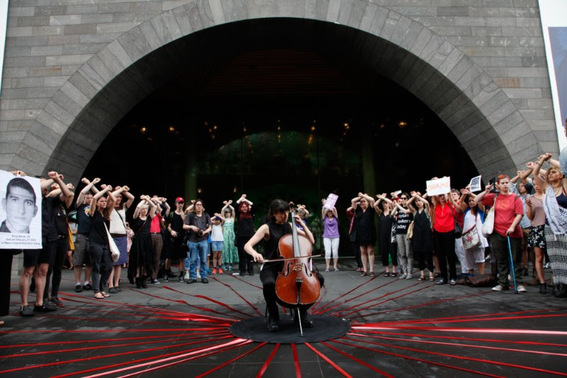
434 234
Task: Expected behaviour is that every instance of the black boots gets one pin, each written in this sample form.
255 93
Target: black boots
543 288
273 324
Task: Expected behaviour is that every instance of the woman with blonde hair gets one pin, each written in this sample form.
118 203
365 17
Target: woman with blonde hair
554 185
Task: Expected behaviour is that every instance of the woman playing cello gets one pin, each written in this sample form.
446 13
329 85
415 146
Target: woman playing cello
271 233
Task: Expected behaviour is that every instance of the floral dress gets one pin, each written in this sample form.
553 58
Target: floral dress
230 254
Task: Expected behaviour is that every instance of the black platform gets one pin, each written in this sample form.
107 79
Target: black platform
324 328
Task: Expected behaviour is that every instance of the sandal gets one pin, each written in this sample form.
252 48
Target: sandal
394 274
387 274
105 294
372 275
98 296
421 278
363 274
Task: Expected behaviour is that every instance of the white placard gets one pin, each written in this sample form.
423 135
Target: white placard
475 184
438 186
331 201
554 26
20 212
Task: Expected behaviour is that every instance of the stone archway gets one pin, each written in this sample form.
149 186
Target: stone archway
68 130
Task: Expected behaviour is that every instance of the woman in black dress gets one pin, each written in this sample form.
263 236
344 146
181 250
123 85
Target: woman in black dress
141 259
365 231
422 239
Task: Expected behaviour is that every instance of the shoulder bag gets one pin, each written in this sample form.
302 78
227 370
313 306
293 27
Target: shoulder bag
470 237
488 226
114 251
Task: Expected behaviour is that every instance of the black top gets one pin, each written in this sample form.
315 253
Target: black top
365 229
202 222
49 208
271 250
98 230
403 223
244 226
83 219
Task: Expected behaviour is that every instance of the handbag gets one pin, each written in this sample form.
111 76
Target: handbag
471 238
114 251
458 231
409 234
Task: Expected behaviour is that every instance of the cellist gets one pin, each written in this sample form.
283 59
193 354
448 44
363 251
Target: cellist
271 232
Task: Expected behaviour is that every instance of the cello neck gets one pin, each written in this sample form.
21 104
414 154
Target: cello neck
295 237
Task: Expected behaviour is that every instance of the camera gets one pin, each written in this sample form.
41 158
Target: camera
200 233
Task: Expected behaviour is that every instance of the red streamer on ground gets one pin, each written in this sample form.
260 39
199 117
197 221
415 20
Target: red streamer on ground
381 372
268 361
329 361
296 361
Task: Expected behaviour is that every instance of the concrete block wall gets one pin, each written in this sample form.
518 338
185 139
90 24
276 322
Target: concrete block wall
73 68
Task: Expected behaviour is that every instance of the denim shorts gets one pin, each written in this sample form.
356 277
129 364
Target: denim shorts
217 246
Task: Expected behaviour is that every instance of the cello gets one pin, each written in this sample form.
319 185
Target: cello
296 284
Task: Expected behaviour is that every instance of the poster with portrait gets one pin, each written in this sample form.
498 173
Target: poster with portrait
20 212
554 26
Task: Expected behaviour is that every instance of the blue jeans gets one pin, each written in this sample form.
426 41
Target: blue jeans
198 251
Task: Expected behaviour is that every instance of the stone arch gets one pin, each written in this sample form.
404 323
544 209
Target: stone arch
111 82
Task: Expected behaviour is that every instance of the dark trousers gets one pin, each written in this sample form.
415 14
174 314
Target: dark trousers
356 253
53 278
445 248
5 277
245 260
502 256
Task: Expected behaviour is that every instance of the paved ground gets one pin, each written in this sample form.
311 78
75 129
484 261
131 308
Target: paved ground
398 328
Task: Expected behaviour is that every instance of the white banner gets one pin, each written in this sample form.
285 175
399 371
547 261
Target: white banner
20 212
438 186
554 25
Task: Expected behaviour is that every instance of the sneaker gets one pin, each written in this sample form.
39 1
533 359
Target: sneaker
214 270
46 307
205 281
26 311
181 277
452 282
498 288
326 270
187 276
113 290
88 286
198 275
403 276
441 282
408 276
165 278
221 271
155 281
78 288
191 281
521 289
